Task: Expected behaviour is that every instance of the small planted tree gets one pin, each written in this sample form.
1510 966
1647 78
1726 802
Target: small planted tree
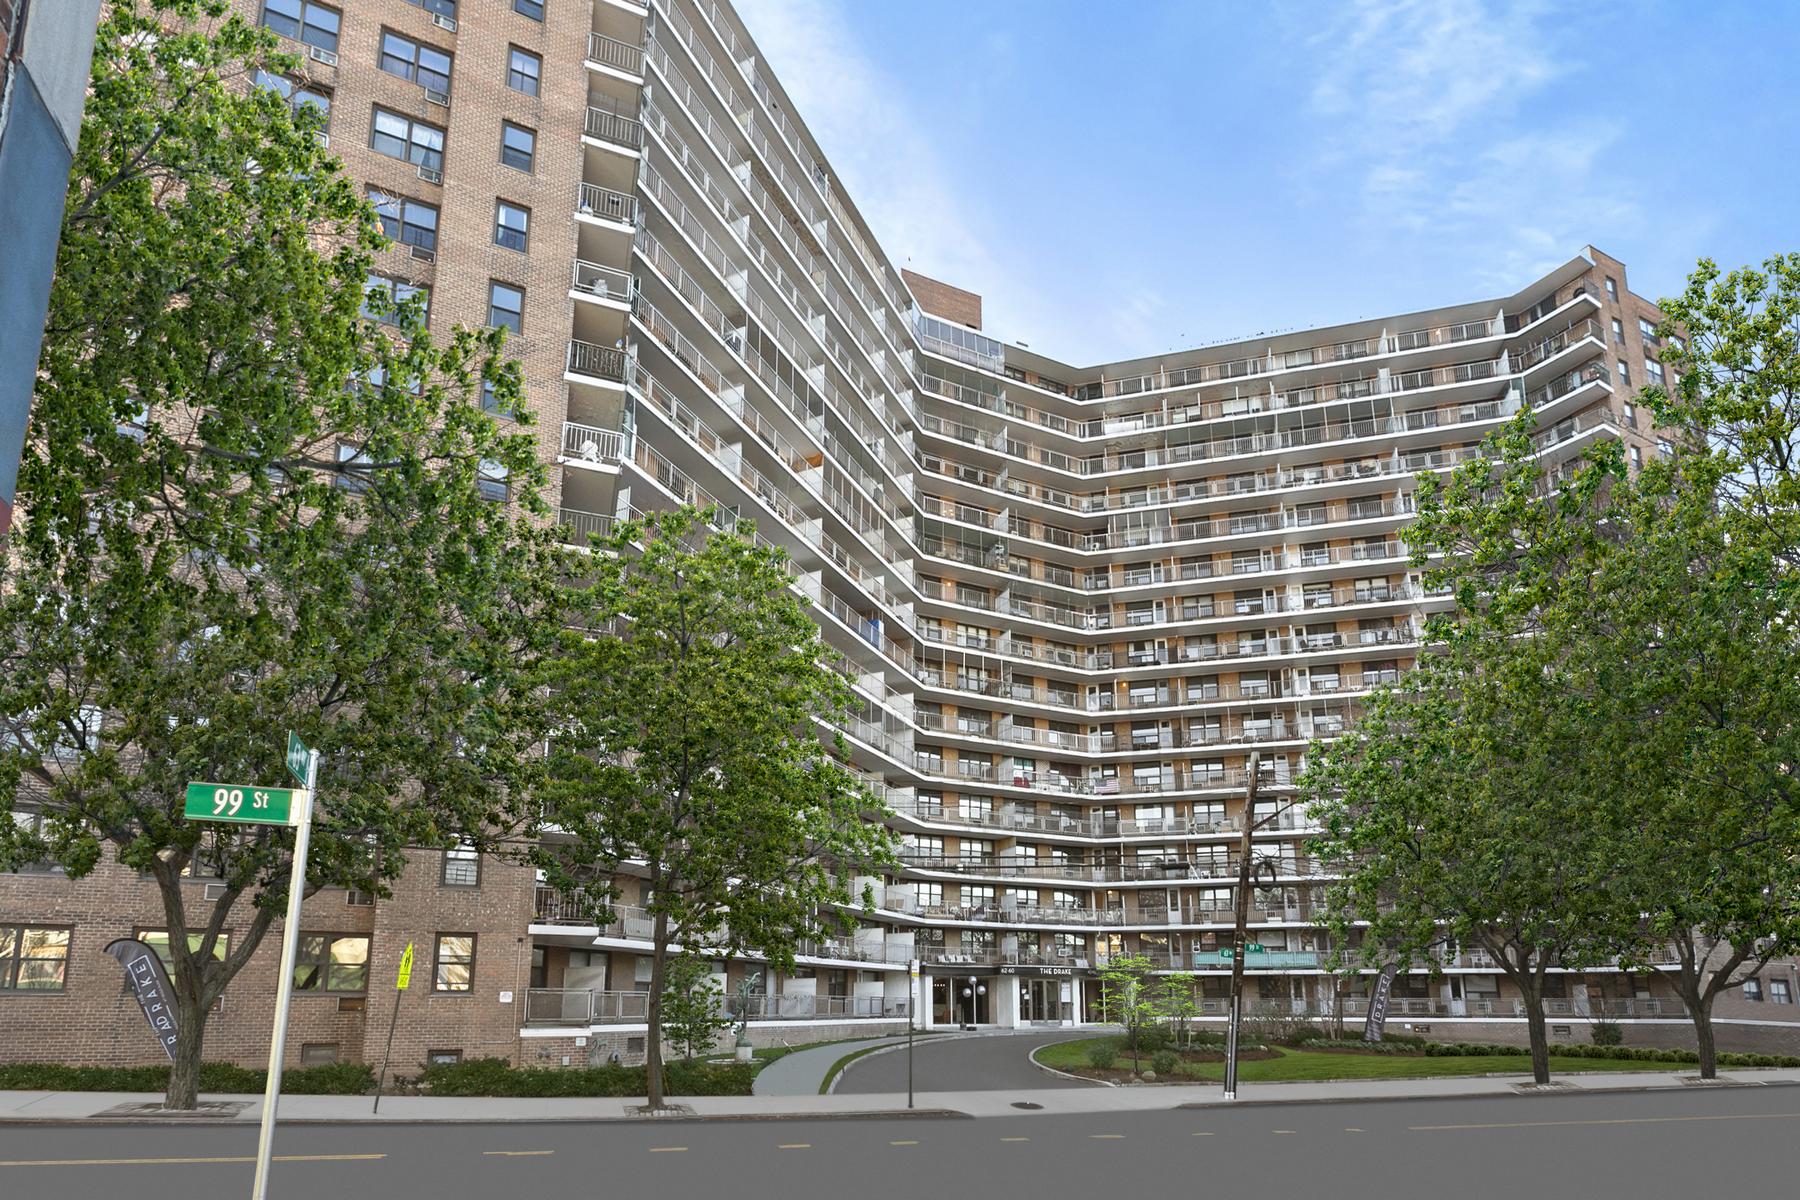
1179 1004
1129 992
693 1006
689 752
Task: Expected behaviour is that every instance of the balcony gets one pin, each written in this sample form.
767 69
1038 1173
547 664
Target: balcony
591 445
611 52
583 1007
604 283
592 200
614 129
596 362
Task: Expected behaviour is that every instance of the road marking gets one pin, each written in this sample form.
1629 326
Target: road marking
794 1146
1609 1121
159 1162
668 1149
1281 1131
1201 1133
903 1143
1015 1139
517 1153
1107 1136
1353 1129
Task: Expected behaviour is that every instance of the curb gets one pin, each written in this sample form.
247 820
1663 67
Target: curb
216 1123
1033 1058
1510 1094
837 1075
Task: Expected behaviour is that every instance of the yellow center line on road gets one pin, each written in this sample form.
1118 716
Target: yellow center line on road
668 1149
1109 1137
903 1143
1201 1133
517 1153
1353 1129
794 1146
1281 1131
1608 1121
182 1162
1015 1139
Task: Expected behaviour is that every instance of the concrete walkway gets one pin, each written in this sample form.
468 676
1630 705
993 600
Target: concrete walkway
803 1072
59 1107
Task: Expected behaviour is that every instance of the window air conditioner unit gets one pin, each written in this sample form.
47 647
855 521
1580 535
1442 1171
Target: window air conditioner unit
433 96
1065 952
213 892
423 255
443 22
431 176
328 57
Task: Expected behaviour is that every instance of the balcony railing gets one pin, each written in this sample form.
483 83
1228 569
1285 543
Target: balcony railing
605 283
579 1006
611 52
582 526
601 362
595 201
592 444
620 130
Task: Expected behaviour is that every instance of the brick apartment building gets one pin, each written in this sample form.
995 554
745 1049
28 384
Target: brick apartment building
1078 597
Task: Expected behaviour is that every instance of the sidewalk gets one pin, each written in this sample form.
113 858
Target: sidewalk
802 1073
29 1107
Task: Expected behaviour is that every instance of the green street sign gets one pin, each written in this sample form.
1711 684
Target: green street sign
244 803
1255 948
297 755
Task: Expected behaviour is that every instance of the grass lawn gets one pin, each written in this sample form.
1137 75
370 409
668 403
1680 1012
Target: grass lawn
1348 1064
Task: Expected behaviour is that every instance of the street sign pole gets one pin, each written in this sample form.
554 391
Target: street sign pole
284 992
401 982
912 1023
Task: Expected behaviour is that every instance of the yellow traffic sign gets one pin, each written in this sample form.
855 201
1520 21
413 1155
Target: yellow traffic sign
405 976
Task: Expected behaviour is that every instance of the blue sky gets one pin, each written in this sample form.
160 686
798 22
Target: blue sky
1125 177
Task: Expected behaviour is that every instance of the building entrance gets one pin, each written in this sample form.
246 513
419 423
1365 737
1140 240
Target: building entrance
1043 1001
960 1000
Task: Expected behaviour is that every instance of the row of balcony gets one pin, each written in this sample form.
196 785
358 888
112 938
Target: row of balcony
586 1007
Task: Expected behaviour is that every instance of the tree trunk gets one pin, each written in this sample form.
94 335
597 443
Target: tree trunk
184 1072
1703 1033
653 1057
1540 1039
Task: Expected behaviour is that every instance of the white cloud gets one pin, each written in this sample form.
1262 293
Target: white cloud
882 154
1428 98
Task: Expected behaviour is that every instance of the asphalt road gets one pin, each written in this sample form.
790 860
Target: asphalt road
1652 1144
987 1062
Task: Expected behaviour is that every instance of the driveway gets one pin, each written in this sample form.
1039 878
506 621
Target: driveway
984 1062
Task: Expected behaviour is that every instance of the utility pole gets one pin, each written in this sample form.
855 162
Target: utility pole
1241 924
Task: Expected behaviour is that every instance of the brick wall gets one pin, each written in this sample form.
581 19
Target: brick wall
941 300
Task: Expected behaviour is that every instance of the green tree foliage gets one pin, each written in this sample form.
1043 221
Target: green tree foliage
689 751
246 509
1179 1003
1466 806
1131 998
693 1008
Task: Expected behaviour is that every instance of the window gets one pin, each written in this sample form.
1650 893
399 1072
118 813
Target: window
1637 458
438 8
462 867
425 65
529 8
1665 447
443 1058
411 141
1624 372
304 21
518 146
1753 989
299 96
1654 371
1779 992
384 295
353 468
407 221
329 962
512 225
454 969
524 71
1612 288
1618 331
33 958
1647 331
506 306
158 941
1630 415
318 1054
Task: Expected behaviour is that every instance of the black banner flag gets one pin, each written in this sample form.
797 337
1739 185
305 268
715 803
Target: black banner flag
150 982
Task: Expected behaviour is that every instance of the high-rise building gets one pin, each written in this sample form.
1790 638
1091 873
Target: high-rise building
1075 599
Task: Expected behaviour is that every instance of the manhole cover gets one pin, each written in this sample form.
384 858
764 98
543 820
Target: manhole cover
1025 1104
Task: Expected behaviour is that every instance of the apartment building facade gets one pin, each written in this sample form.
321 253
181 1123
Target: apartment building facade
1074 600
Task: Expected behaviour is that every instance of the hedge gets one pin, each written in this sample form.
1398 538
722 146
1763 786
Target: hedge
1575 1050
335 1079
496 1077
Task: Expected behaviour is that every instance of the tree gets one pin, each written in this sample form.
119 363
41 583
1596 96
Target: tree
1469 805
1129 992
692 1012
244 509
688 751
1179 1003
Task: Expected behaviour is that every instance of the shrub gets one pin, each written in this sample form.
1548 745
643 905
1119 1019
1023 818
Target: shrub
1303 1031
1163 1062
496 1077
1152 1038
1607 1033
1102 1055
337 1079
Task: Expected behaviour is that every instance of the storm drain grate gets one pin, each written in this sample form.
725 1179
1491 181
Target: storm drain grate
1025 1104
